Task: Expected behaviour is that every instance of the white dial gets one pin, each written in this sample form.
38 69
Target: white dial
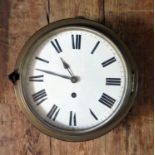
75 79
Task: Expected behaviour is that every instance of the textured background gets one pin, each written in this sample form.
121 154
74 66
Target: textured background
132 20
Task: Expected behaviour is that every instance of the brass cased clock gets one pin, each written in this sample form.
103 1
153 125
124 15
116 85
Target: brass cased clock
75 80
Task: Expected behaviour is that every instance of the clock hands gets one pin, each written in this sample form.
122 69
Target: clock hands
74 78
56 74
66 66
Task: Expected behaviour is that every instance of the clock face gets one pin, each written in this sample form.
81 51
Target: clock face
75 79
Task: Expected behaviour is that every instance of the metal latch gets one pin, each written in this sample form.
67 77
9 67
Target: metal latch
133 82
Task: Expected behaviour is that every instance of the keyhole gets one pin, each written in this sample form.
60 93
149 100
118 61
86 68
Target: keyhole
73 95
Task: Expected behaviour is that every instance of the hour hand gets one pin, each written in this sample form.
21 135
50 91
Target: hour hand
66 66
55 74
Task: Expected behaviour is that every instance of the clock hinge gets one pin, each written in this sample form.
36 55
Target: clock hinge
14 76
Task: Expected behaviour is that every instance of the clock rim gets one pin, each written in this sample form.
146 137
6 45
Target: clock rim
122 112
43 39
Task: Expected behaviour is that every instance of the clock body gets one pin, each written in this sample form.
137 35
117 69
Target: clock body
77 80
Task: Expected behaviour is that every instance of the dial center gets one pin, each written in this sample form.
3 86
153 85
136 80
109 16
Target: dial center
75 79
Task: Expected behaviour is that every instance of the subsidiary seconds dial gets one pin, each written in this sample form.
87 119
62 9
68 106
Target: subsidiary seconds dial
76 79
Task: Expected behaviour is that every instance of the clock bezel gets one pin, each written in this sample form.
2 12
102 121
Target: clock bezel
128 101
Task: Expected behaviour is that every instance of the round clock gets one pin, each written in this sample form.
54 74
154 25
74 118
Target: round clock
75 80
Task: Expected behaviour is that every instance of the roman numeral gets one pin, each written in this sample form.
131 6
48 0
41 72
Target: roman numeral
38 78
40 96
95 47
41 59
92 113
107 100
53 113
56 45
108 62
113 81
72 119
76 41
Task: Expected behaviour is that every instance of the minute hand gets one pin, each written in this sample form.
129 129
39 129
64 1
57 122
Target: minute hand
55 74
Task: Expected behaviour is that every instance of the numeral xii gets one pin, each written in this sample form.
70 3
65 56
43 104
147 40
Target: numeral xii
76 41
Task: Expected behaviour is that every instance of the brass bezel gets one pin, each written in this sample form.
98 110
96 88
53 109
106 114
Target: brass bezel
128 101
